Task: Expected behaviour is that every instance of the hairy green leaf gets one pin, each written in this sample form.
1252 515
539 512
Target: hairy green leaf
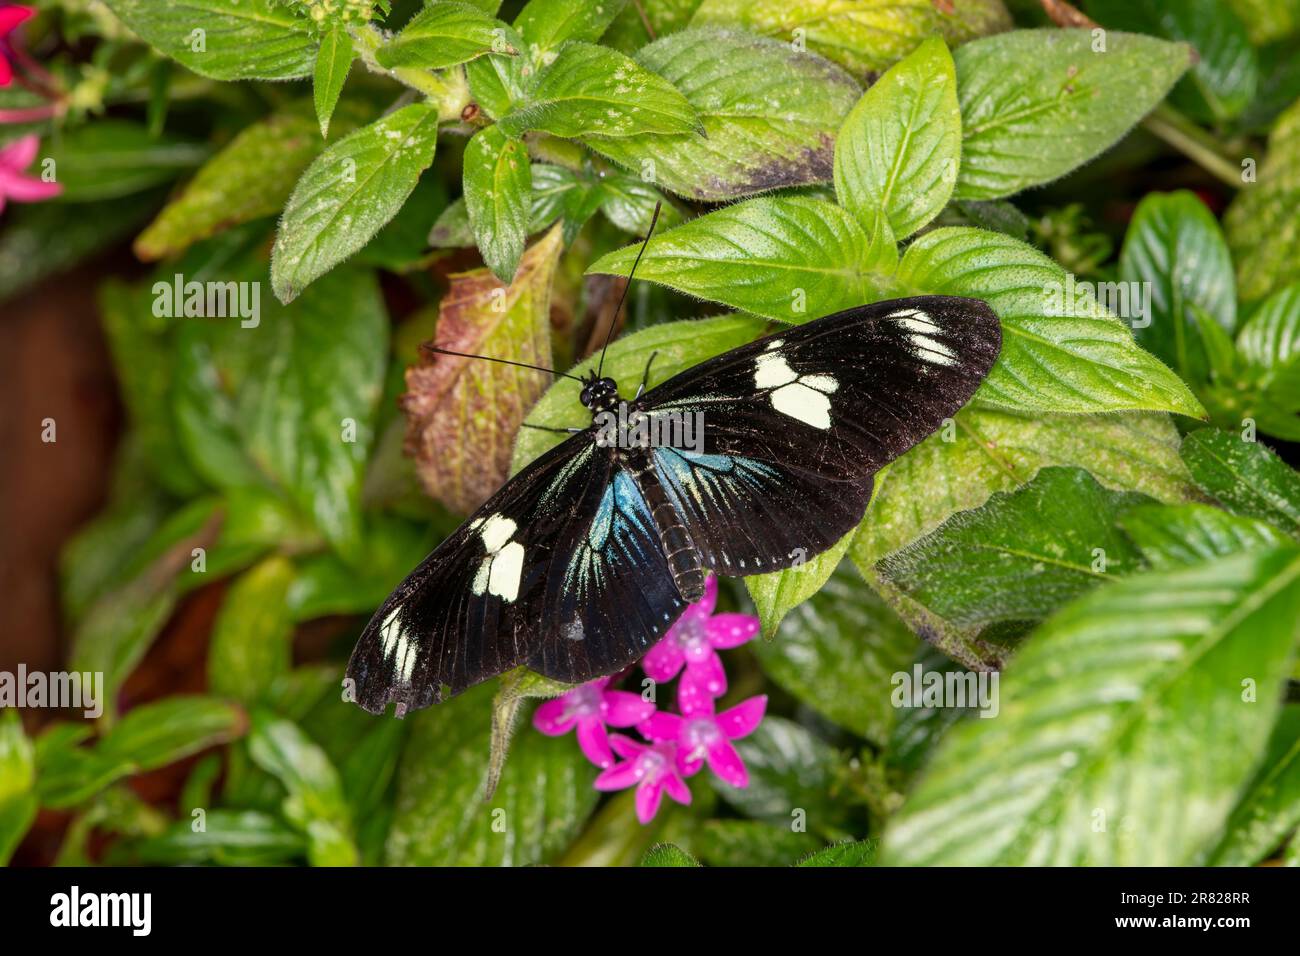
349 193
442 35
547 25
769 114
1124 733
1035 104
1245 477
498 198
1172 536
1270 806
898 151
332 65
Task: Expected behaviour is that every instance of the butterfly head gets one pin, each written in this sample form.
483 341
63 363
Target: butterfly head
599 394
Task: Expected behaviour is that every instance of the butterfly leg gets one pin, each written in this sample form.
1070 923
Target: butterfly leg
645 377
548 428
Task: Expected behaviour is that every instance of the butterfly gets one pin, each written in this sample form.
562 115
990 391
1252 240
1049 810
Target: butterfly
586 557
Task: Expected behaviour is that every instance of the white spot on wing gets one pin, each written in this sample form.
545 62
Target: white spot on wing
773 371
932 350
496 532
507 567
806 404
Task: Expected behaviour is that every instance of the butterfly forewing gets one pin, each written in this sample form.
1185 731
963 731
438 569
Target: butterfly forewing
560 570
796 424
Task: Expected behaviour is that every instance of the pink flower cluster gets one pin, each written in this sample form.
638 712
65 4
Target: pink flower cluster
15 183
675 746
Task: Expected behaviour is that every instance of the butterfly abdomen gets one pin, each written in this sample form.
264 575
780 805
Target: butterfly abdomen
684 560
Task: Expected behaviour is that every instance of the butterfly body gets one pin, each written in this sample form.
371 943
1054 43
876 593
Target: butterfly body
586 557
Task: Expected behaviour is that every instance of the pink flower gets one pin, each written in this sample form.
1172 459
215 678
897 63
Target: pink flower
591 708
701 736
14 183
652 769
694 641
10 18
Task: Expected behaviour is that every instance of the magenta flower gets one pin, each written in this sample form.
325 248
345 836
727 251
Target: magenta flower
700 735
14 183
591 708
694 642
652 769
10 18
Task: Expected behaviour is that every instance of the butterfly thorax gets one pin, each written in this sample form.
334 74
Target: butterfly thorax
599 394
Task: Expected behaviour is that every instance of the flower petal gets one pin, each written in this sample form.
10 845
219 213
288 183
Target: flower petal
10 17
662 662
6 72
648 797
693 696
27 189
594 741
710 599
618 777
741 720
19 154
677 789
661 726
625 709
553 718
731 630
707 674
626 747
726 763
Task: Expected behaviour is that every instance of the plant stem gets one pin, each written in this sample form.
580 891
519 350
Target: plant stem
1194 143
448 89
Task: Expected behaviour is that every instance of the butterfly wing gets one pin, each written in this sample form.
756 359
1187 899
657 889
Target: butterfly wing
560 570
795 425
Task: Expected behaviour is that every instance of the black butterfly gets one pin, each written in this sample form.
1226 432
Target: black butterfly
587 556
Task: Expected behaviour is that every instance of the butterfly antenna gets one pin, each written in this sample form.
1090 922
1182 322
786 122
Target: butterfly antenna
488 358
613 322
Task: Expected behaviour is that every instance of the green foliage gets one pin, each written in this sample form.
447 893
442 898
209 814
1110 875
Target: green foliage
1125 580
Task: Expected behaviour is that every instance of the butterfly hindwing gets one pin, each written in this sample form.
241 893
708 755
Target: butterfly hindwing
560 570
796 424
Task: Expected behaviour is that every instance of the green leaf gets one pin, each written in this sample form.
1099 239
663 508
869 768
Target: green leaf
332 65
109 159
788 258
593 90
1262 231
792 778
676 346
1173 536
18 801
1175 249
1020 555
443 35
1270 806
544 794
1124 733
898 152
251 638
315 803
837 653
667 854
1245 477
292 400
150 736
776 594
1036 104
227 838
1060 351
738 85
462 414
1268 20
349 193
986 451
1270 342
498 198
46 238
862 853
1223 79
548 24
864 37
751 843
225 39
499 84
250 178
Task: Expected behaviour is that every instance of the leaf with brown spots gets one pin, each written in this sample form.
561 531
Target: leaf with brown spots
462 414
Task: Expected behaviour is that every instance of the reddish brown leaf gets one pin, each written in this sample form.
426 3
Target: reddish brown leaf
462 414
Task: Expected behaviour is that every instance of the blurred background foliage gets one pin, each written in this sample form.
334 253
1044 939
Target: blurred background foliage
224 740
